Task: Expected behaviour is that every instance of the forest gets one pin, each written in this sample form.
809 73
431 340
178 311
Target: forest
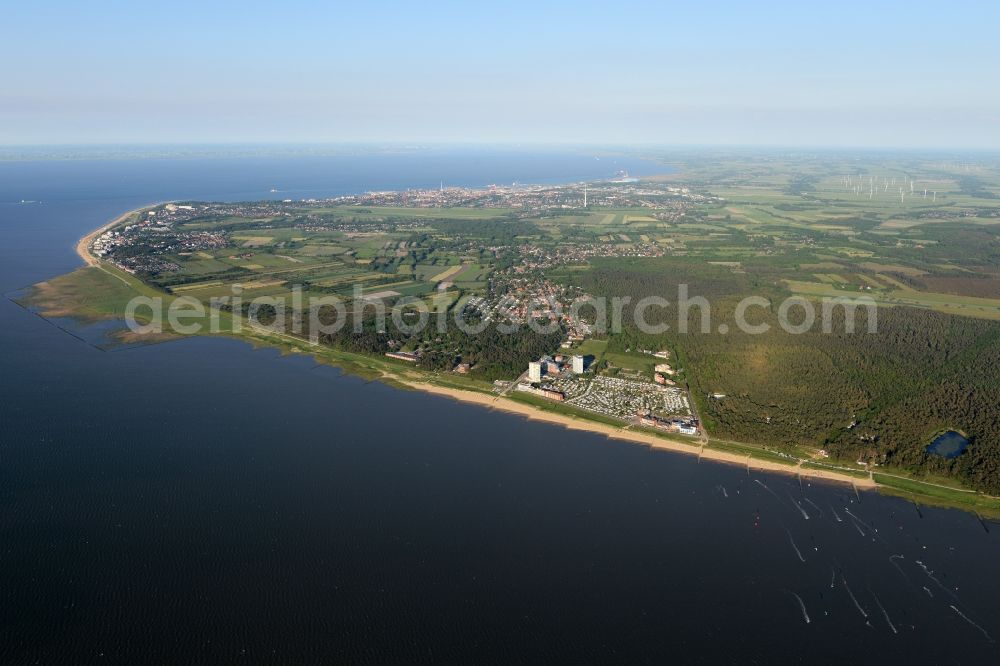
499 351
878 397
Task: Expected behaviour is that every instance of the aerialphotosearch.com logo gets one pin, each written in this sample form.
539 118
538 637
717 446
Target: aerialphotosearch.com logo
313 317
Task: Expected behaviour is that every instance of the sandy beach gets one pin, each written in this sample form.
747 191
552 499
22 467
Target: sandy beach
623 434
83 245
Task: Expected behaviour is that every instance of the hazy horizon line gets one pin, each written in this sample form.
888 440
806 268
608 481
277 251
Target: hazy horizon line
416 145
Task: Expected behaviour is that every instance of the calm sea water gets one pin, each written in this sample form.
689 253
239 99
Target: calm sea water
200 501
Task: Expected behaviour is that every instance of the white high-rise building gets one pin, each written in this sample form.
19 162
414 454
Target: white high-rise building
577 365
534 371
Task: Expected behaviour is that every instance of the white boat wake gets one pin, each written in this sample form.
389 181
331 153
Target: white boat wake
813 504
802 606
792 541
885 613
799 507
966 618
861 610
764 486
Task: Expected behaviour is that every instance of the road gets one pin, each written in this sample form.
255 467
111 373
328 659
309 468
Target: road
513 384
702 433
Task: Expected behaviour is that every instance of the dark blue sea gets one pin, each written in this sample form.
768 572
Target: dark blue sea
201 501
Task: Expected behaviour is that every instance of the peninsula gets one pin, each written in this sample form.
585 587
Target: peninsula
496 275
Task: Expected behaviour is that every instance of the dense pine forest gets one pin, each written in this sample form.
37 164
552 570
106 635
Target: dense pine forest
879 397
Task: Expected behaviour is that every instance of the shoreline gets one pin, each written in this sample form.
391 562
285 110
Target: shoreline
83 245
621 434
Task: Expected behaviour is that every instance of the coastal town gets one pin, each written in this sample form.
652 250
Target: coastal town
343 247
654 403
621 191
168 240
148 245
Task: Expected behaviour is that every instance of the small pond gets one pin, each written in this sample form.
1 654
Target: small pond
949 444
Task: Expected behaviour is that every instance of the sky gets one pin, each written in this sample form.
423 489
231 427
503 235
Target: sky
838 74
